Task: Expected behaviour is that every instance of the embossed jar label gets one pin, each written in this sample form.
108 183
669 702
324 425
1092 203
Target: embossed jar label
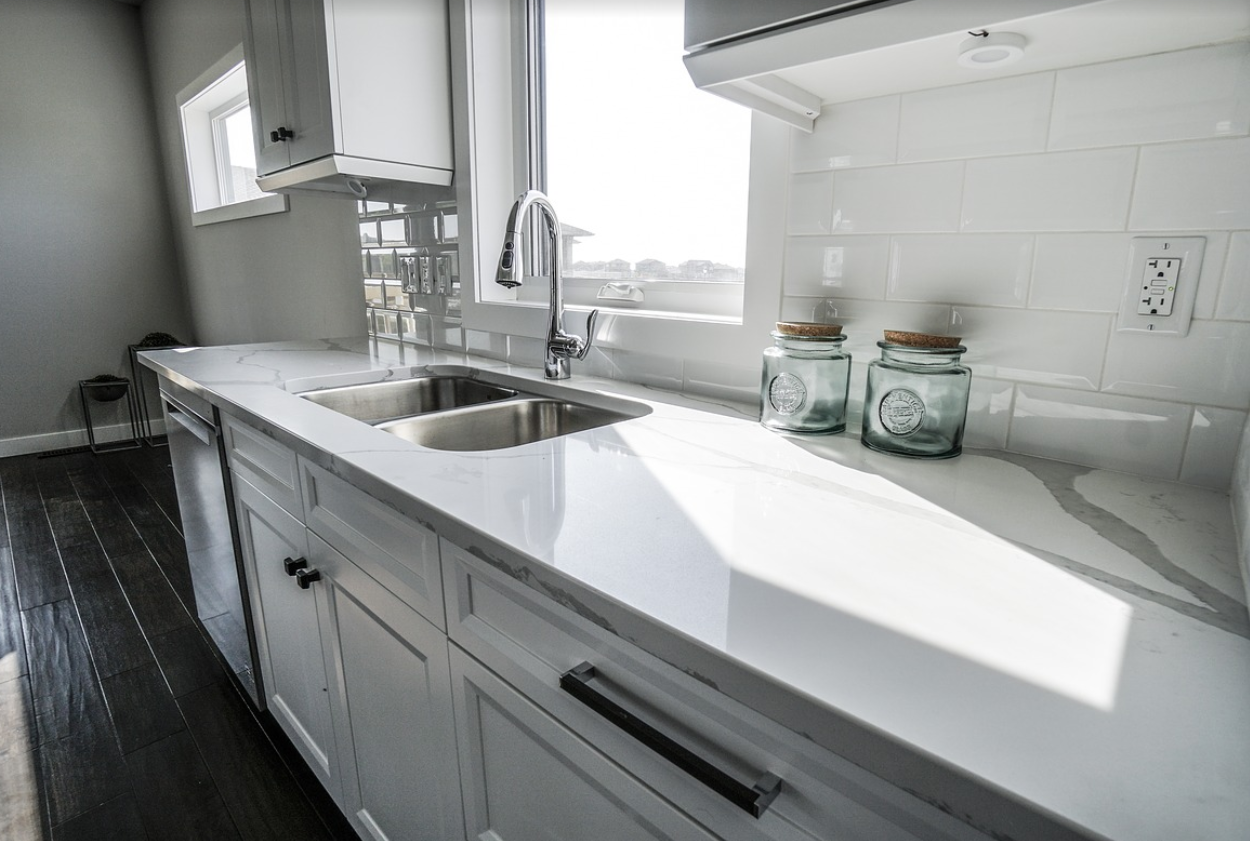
786 394
901 411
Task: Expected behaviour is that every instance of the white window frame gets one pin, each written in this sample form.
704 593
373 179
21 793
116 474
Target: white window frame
201 107
491 129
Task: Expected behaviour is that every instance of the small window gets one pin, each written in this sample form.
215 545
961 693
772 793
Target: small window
221 154
648 173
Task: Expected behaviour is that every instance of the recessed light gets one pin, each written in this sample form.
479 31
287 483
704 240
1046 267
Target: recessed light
994 49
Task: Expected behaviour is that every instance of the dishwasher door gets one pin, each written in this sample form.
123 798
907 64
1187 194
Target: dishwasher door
206 505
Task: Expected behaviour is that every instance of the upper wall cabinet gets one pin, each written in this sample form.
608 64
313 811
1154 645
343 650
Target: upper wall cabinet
350 97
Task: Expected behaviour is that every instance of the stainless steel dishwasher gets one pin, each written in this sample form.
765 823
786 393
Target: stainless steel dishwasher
206 504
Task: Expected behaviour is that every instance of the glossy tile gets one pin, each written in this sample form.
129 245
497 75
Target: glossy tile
1119 433
1210 454
1213 259
1202 185
1196 93
1207 367
810 204
998 117
842 266
180 799
989 413
1234 297
724 382
1083 272
1033 346
864 322
862 133
142 707
116 820
980 269
903 199
1064 191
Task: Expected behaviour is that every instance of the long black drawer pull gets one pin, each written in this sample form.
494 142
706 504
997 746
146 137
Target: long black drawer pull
754 799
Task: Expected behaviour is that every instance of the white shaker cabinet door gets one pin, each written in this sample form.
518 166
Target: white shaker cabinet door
287 621
528 778
393 712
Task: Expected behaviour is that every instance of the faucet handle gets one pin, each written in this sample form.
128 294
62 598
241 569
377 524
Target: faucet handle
590 334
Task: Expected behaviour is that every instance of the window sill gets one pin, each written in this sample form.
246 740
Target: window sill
263 206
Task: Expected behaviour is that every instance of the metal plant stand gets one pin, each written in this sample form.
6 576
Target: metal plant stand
95 391
142 375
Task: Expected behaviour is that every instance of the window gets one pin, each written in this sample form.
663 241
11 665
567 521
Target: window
221 155
649 174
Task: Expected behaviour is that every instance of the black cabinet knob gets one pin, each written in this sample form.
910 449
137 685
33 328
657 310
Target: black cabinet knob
293 565
305 577
282 134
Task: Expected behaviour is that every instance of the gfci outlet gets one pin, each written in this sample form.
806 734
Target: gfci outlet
1162 284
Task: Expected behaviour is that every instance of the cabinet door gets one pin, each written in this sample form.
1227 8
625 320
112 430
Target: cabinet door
393 711
287 620
306 69
265 85
526 777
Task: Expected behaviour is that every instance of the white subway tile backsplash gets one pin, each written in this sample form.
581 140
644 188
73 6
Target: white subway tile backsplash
1214 434
989 413
1203 185
913 198
862 133
483 343
1234 298
1209 366
865 322
1083 272
1196 93
722 382
658 371
1213 257
843 266
1120 433
999 117
1065 191
811 203
1033 346
981 269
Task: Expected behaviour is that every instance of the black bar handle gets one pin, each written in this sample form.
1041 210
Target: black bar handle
753 799
305 577
294 565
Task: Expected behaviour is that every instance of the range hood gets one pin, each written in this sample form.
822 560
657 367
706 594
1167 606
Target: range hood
788 58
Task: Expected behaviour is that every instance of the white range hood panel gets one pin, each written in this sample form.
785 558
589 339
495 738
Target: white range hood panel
913 46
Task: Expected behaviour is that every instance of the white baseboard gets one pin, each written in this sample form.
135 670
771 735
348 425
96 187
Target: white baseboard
46 442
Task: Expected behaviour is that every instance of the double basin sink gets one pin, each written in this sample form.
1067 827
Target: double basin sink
467 410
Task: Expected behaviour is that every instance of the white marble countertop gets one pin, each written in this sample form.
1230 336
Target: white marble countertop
1045 650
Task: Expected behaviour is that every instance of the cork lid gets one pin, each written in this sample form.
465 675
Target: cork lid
808 329
906 339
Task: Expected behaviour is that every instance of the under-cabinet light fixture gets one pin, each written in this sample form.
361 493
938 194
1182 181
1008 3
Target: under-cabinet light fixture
991 49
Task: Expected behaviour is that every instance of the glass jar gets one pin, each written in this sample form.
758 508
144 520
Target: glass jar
805 380
916 402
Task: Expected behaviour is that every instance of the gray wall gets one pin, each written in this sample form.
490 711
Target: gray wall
287 276
87 264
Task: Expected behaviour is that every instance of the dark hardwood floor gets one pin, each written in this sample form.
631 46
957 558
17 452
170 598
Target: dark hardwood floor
117 721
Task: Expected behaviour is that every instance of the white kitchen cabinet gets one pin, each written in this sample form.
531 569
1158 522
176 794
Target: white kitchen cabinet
392 711
531 643
288 621
346 92
526 777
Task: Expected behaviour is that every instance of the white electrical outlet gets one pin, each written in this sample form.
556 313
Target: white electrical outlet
1162 284
1158 288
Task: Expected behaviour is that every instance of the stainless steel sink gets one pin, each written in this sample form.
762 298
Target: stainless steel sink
464 409
509 424
378 402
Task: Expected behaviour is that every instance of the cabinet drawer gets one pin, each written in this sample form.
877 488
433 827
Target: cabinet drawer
400 554
264 462
531 642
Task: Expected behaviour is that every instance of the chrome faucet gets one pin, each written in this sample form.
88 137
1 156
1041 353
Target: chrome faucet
561 346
